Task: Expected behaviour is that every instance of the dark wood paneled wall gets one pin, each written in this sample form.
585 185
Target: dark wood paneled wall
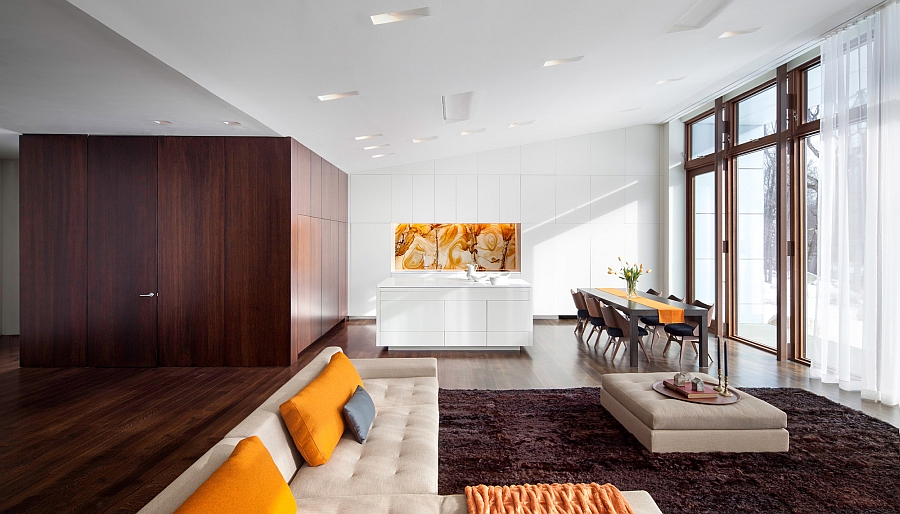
53 250
252 249
316 164
343 197
330 280
316 240
258 252
122 251
307 283
192 251
300 177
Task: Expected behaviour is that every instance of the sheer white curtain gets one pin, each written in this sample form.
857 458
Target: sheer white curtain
854 337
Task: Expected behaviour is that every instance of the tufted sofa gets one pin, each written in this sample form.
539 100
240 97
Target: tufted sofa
395 471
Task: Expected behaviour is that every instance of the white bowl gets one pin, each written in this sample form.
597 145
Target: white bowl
500 280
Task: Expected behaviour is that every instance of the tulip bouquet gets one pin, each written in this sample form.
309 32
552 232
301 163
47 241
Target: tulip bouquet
630 273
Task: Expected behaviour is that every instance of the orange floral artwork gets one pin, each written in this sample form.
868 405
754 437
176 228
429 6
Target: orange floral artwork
451 246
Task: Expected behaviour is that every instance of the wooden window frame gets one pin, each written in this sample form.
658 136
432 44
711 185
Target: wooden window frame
706 160
791 226
689 228
801 130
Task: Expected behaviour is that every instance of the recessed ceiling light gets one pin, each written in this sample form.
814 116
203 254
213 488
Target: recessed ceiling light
732 33
521 123
699 15
232 122
562 61
382 155
423 139
370 136
375 146
629 110
666 81
336 96
162 122
391 17
473 131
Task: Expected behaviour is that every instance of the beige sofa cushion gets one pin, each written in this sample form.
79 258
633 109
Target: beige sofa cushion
393 392
635 392
400 456
375 503
396 368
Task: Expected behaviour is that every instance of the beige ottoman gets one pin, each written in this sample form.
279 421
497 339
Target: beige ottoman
664 424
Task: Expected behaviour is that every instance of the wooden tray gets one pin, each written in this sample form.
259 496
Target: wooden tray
660 388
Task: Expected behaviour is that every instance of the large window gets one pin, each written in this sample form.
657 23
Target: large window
812 99
704 237
703 137
756 116
763 238
810 148
756 248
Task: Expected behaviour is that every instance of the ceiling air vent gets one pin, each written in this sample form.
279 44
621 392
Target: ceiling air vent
457 107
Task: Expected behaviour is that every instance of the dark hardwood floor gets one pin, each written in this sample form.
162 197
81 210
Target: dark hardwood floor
108 440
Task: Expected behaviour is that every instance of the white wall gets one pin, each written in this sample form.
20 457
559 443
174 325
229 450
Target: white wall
582 201
9 247
675 201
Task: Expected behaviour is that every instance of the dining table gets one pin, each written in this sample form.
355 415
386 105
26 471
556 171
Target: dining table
635 310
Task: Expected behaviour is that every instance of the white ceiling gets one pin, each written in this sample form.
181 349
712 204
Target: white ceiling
272 58
62 71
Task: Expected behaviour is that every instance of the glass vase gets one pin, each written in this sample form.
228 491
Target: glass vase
631 288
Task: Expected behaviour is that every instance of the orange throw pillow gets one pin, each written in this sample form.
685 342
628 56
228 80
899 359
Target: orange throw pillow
248 481
314 416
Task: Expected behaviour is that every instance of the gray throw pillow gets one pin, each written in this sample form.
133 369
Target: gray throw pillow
359 413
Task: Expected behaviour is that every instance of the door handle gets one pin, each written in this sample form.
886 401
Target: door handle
150 295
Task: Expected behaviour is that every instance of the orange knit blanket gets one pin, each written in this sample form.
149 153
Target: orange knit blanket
547 499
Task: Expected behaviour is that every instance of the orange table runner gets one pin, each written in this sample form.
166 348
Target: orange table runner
547 499
667 313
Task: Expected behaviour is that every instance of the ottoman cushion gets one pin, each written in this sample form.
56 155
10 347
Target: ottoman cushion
635 392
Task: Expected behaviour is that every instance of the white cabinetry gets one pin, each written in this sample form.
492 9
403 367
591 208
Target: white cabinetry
452 313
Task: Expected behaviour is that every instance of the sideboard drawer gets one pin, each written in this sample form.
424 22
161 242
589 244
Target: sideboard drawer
411 339
509 317
405 316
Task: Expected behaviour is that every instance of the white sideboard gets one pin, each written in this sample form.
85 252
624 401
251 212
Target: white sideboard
432 313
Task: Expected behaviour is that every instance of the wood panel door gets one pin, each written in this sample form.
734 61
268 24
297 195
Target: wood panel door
122 251
316 240
330 275
258 252
316 167
304 321
53 250
191 251
300 163
343 197
330 191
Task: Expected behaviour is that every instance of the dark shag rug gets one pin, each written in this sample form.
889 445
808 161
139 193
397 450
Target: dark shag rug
840 460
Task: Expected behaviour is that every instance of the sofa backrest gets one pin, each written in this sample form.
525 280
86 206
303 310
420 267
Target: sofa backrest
178 491
266 423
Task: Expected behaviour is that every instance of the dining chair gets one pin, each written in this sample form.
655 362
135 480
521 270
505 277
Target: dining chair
682 333
652 324
582 316
654 292
619 329
596 319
